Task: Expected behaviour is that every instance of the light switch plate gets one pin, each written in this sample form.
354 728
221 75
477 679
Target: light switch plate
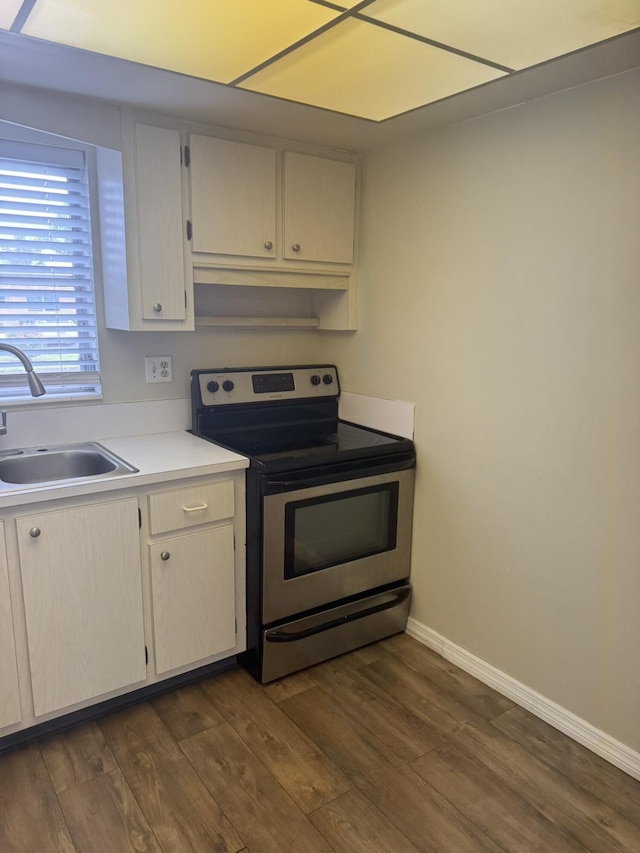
158 368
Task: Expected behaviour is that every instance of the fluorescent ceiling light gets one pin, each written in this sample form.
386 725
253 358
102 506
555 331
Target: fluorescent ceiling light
8 11
212 39
367 71
369 58
516 33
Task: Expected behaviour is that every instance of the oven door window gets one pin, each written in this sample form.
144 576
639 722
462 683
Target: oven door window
338 528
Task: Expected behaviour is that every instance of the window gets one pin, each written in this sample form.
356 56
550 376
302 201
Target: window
47 304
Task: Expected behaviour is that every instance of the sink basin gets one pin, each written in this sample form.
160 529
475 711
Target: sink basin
64 462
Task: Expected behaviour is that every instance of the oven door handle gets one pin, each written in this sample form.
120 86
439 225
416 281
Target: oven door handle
282 636
340 473
284 485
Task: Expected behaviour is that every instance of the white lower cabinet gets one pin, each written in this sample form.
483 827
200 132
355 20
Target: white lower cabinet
103 596
82 589
193 572
10 711
193 597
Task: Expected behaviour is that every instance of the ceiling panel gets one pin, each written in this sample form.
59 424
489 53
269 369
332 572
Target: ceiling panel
391 57
515 33
8 11
366 71
214 39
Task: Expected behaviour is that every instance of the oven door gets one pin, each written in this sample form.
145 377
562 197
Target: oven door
328 541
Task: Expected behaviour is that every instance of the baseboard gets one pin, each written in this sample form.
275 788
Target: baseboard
569 724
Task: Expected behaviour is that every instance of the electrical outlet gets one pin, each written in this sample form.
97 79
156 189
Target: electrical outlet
158 368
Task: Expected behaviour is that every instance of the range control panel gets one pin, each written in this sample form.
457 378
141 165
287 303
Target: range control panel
229 386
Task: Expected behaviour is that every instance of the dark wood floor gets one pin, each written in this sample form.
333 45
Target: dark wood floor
388 749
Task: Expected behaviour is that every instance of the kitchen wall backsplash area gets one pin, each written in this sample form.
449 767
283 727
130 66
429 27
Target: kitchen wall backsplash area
63 424
394 416
123 355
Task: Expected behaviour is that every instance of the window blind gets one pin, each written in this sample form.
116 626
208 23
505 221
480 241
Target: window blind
47 304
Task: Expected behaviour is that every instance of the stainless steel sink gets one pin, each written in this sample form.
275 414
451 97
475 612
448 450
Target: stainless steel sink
62 462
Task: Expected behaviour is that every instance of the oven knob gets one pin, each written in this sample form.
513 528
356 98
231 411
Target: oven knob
315 379
327 379
228 385
213 387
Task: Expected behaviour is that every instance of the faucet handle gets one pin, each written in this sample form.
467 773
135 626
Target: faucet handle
3 424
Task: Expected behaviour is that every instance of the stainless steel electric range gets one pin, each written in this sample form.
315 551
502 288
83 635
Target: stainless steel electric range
329 513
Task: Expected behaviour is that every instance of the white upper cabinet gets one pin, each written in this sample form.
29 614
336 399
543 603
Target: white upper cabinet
225 232
233 197
265 207
144 263
160 223
319 208
273 235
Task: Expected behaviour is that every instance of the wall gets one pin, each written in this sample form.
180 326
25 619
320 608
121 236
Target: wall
500 292
122 353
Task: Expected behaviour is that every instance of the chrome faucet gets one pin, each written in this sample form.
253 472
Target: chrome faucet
35 385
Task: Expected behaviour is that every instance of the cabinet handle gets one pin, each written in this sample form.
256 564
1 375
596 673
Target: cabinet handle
35 532
296 247
195 508
268 245
157 307
164 555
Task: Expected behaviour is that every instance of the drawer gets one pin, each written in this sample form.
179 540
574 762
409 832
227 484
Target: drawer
190 506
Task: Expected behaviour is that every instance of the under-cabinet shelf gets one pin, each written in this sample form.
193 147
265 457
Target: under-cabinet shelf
271 322
300 279
238 306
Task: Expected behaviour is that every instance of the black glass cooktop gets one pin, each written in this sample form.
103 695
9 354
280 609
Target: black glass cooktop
308 443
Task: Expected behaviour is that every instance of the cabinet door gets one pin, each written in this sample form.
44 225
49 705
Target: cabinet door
160 223
82 588
233 197
193 597
10 711
319 208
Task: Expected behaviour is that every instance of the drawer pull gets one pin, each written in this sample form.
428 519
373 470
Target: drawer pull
195 508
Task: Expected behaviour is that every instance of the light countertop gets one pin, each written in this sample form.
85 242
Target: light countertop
160 457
